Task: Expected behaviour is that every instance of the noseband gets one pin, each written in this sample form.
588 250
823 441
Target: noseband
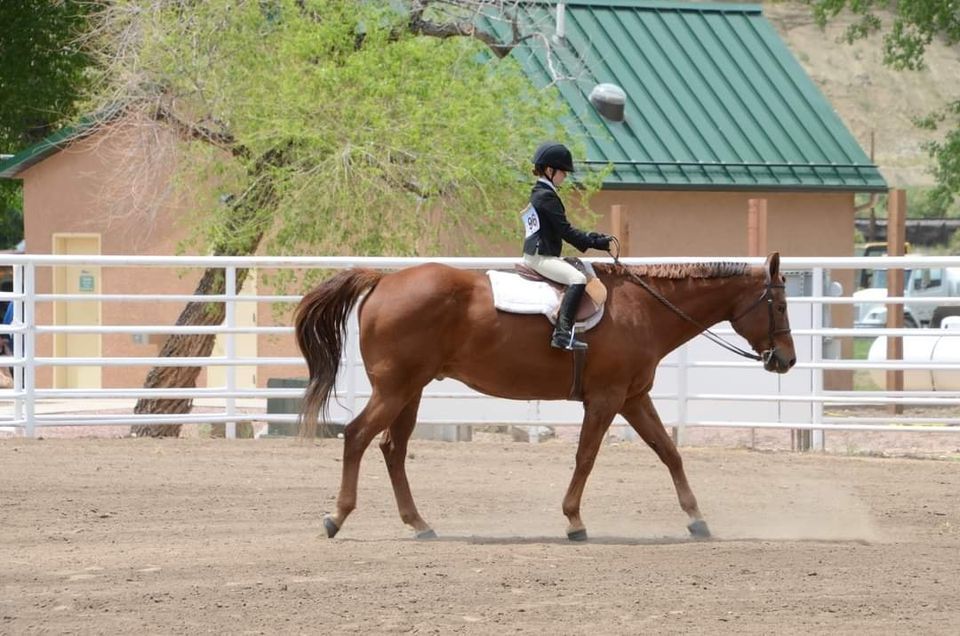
772 331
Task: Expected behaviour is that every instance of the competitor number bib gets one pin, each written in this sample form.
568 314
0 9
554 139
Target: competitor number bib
531 221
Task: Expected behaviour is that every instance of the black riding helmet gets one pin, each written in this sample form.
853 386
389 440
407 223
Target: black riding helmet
553 155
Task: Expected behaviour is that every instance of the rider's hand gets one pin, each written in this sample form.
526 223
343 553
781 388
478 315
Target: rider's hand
600 241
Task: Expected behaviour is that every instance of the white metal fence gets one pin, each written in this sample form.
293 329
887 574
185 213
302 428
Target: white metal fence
698 385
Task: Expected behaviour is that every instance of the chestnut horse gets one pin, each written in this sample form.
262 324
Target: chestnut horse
434 321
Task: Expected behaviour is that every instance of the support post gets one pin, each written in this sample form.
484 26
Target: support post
756 246
896 231
813 439
230 347
680 431
30 349
620 228
757 227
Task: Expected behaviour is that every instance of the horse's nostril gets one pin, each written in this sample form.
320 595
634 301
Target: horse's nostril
793 361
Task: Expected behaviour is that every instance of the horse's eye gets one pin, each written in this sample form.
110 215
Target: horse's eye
782 309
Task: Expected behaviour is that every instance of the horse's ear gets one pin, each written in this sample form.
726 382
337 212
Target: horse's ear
773 266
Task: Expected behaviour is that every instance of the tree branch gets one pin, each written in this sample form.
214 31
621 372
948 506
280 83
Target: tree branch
462 28
189 130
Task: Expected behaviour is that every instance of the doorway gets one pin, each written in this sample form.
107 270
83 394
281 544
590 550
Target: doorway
76 279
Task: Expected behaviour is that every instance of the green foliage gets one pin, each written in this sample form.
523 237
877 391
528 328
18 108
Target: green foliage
383 142
42 67
42 72
922 203
11 216
913 25
953 246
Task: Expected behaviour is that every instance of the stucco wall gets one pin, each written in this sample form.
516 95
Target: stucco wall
96 186
715 223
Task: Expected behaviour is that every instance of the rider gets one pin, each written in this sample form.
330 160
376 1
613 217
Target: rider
546 226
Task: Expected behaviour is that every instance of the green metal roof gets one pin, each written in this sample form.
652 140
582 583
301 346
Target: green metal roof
715 99
59 140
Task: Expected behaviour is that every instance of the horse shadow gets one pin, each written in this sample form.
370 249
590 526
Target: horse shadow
613 540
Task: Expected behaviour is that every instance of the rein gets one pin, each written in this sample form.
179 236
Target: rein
710 335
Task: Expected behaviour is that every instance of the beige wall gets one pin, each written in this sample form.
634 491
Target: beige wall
96 187
90 188
715 223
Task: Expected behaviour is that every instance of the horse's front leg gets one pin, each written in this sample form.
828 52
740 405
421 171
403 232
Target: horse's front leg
596 420
642 416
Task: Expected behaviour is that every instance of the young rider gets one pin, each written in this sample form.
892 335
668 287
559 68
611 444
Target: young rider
546 225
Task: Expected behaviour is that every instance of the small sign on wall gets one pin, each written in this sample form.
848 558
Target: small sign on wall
87 282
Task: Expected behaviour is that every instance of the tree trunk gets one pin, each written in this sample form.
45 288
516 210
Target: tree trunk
248 212
184 345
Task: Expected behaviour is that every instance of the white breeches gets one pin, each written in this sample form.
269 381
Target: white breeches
555 268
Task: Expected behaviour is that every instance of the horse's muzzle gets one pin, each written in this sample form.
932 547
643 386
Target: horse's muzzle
776 362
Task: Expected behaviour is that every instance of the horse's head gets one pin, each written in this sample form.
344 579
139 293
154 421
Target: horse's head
761 318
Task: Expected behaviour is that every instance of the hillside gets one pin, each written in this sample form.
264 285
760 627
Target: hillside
869 96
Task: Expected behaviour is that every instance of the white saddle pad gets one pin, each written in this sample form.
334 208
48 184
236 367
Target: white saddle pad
517 295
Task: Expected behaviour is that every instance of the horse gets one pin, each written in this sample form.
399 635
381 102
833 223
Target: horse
433 321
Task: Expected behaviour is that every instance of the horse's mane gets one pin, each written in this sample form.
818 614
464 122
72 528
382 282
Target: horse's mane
720 269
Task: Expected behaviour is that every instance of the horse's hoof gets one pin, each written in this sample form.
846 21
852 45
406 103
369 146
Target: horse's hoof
330 526
425 534
699 529
577 535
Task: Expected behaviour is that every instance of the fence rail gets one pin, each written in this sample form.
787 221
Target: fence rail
27 408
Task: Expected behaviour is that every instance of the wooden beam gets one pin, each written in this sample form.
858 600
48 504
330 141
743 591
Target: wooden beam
757 246
896 233
757 227
620 227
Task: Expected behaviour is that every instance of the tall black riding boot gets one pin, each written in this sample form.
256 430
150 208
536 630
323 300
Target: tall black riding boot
563 337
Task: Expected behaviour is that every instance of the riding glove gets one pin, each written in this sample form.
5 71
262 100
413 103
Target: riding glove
600 241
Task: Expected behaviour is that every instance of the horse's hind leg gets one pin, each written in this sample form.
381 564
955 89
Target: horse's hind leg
393 445
379 413
642 416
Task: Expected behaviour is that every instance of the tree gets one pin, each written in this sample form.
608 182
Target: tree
42 73
913 25
337 126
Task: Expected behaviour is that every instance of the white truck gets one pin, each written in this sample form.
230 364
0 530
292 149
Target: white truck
923 282
926 282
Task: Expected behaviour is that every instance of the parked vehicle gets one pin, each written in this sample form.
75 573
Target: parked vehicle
870 311
874 278
927 282
923 282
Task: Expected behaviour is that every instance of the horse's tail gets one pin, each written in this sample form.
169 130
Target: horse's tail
320 325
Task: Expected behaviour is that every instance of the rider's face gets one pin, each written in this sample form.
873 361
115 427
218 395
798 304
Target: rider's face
558 177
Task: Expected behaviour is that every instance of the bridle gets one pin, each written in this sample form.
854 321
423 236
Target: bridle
772 331
765 356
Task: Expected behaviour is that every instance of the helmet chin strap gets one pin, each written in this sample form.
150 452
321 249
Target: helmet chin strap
553 173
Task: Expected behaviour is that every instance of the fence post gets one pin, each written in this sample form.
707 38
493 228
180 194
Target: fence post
17 339
680 432
817 442
29 348
896 214
756 246
231 349
352 346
